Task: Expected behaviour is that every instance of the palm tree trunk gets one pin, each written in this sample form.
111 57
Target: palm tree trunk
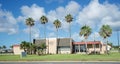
106 45
45 37
86 45
70 37
57 38
30 33
94 46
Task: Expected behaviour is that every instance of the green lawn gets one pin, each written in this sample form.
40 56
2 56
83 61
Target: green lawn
62 57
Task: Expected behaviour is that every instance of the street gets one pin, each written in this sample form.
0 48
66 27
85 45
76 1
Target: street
59 62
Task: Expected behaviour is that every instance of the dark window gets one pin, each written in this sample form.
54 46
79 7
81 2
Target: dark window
89 45
97 45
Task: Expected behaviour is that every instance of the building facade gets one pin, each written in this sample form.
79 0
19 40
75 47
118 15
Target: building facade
92 46
66 46
56 46
17 50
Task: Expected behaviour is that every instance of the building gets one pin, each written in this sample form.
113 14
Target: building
92 46
66 46
56 46
17 50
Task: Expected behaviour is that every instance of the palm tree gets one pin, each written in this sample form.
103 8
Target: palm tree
30 23
41 47
33 48
69 19
44 20
23 45
57 24
105 31
85 31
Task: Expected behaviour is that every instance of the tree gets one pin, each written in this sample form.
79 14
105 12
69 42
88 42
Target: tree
0 47
11 46
30 23
43 21
57 25
105 31
23 45
85 31
41 48
33 48
4 47
69 19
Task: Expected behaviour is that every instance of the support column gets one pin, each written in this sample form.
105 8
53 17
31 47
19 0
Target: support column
79 48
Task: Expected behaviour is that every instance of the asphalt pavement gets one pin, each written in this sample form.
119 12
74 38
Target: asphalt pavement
57 62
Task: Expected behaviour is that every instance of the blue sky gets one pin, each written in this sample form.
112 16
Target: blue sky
94 13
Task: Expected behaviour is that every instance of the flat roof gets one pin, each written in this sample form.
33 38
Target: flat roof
89 42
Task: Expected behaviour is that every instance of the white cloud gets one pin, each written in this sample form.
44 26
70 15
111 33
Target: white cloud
34 11
77 37
35 33
60 13
94 36
8 23
96 14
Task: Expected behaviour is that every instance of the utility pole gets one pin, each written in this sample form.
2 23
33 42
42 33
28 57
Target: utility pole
118 41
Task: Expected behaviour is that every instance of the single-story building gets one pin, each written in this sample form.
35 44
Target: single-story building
92 46
56 46
66 46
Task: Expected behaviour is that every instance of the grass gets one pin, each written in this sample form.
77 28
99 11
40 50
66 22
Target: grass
62 57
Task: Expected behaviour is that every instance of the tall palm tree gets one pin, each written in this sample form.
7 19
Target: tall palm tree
44 20
105 31
85 31
57 25
30 23
69 19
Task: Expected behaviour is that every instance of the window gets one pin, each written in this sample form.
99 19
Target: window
97 45
89 45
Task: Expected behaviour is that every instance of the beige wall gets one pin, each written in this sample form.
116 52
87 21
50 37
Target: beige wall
65 52
51 45
17 50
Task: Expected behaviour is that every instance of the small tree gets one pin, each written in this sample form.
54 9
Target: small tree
33 48
0 47
11 46
41 48
23 45
4 47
